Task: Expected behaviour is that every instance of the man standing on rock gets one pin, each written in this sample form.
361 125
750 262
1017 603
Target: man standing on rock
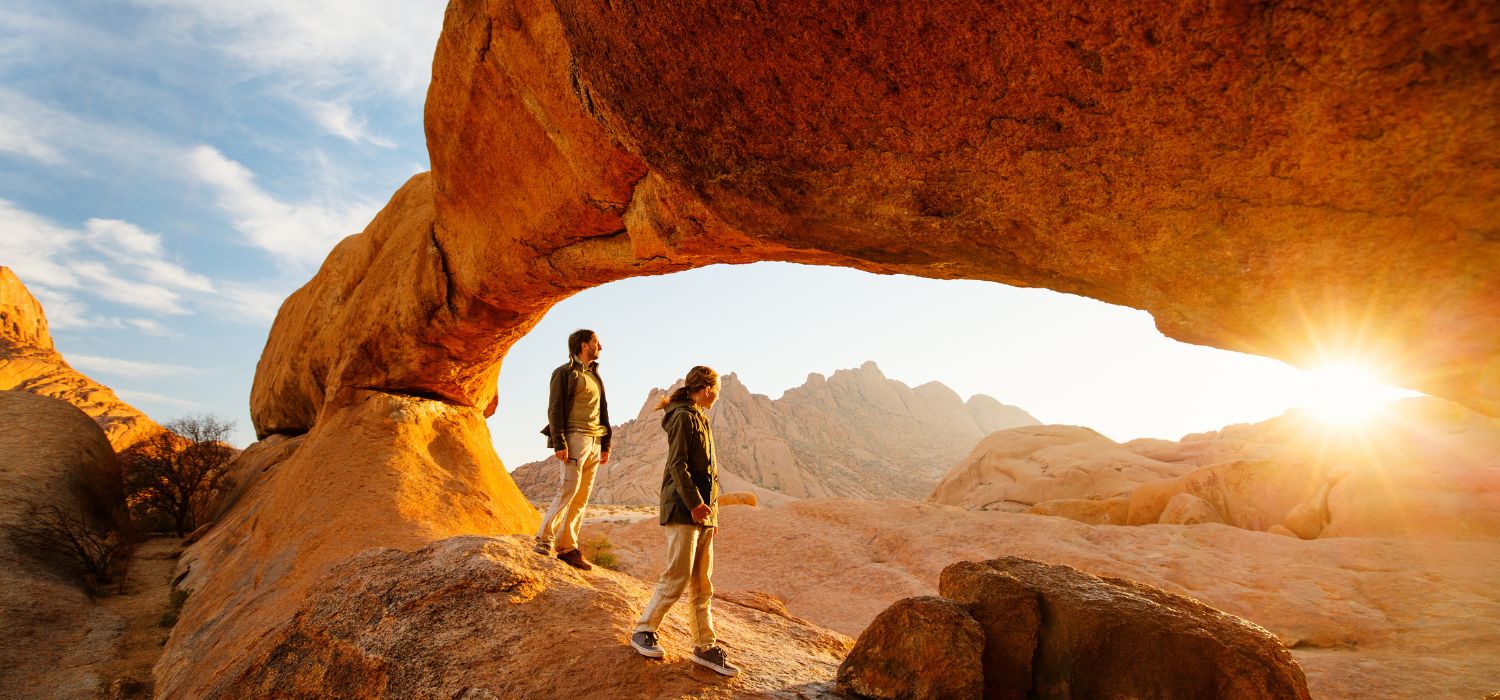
578 432
690 513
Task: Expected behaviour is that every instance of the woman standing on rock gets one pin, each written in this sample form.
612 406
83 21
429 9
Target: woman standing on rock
689 512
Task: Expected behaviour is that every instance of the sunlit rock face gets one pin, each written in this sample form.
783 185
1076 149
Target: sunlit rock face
1259 177
857 434
482 617
30 363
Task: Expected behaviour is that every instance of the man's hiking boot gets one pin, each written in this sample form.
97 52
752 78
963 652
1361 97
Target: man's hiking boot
574 558
542 549
713 657
645 642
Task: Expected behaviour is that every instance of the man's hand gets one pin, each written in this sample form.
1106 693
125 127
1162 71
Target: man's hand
562 455
701 513
604 458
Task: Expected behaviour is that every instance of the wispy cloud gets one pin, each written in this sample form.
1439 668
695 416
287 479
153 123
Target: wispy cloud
136 396
109 260
44 133
301 234
344 51
373 45
127 368
338 118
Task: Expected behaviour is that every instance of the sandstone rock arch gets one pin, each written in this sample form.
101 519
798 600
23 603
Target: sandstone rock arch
1276 178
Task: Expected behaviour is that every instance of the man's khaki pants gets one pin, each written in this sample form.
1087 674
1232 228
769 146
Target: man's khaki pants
565 515
690 565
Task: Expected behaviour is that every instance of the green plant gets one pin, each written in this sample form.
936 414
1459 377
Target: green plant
175 599
600 551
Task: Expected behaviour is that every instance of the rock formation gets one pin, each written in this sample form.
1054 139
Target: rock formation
1258 177
51 455
30 363
1421 467
477 617
1013 470
1052 631
856 434
1364 616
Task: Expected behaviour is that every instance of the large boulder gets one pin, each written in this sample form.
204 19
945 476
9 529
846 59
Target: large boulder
1103 637
52 455
397 471
29 362
1051 631
924 647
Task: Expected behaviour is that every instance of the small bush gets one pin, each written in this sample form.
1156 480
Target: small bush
600 551
175 599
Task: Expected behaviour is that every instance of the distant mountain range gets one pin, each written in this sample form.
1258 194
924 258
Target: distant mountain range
856 434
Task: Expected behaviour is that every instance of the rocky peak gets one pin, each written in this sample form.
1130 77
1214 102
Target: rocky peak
857 434
29 362
22 322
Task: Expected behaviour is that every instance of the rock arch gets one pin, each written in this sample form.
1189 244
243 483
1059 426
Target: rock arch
1276 178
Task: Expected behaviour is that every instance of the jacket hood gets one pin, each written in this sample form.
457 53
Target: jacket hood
674 407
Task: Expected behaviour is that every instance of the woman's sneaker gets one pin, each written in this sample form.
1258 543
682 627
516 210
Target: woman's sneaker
645 642
713 657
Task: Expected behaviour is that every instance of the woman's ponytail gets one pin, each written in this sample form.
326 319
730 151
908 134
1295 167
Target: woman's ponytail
698 378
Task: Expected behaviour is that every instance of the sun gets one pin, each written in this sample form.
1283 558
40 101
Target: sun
1345 394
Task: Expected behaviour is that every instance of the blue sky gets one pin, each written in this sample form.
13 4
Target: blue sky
171 169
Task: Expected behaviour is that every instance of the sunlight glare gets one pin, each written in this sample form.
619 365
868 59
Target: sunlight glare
1346 395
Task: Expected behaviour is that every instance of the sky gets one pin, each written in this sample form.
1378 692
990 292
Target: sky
171 169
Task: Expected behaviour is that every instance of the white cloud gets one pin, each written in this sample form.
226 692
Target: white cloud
103 281
18 138
31 246
127 368
248 302
373 46
126 243
136 396
108 259
301 234
56 137
339 119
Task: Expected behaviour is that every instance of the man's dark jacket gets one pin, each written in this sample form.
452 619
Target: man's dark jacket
560 404
691 476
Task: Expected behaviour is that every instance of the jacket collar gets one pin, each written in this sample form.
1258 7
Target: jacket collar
576 363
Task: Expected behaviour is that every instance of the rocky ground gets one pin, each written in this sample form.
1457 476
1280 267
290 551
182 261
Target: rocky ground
1366 617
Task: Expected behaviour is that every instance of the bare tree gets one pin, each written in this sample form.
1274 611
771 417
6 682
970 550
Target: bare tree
175 472
87 543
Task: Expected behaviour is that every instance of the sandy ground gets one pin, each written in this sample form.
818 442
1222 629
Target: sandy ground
144 597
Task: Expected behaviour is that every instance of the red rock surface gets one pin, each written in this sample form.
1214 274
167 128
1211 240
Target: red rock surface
30 363
922 647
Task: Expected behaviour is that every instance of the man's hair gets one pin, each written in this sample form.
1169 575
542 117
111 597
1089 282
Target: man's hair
577 338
